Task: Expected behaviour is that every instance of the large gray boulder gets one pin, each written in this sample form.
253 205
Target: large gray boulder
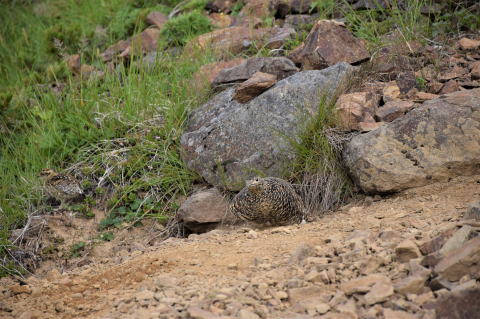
438 140
227 142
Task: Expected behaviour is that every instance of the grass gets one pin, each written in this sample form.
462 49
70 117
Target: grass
317 169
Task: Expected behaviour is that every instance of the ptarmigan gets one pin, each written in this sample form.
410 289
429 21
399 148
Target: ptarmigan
62 187
270 201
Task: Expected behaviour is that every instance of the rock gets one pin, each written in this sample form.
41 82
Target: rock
406 81
411 285
459 305
369 126
452 73
433 142
379 292
198 313
20 289
391 92
407 250
258 83
301 253
234 40
279 37
397 314
227 142
328 43
258 8
423 96
475 70
473 211
157 19
393 110
436 243
300 294
280 67
298 20
141 43
115 49
207 73
322 308
461 261
353 108
457 240
203 210
363 284
468 44
450 87
246 314
74 63
293 6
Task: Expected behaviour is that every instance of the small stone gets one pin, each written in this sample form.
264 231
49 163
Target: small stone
393 109
397 314
436 243
246 314
468 44
424 298
473 211
157 19
407 250
449 87
379 292
363 284
301 253
411 285
254 86
391 92
475 71
20 289
322 308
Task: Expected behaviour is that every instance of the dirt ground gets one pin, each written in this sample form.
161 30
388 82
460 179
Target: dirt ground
234 273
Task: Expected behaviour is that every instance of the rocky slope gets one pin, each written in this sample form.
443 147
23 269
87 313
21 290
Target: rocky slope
406 256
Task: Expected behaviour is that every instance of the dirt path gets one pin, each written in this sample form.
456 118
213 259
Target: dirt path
244 273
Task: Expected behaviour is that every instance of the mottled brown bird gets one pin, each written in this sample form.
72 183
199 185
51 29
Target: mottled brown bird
270 201
62 187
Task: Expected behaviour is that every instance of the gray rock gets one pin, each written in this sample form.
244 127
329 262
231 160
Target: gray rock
227 142
281 67
203 210
459 305
473 211
435 141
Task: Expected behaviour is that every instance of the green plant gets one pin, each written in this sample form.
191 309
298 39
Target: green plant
324 8
237 7
317 170
179 30
421 83
77 248
107 236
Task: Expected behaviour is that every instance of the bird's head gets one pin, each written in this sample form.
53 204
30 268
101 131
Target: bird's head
255 185
46 173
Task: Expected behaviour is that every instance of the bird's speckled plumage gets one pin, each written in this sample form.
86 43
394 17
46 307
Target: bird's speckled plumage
270 201
62 187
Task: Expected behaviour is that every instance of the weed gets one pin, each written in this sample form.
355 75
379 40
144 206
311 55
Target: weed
237 7
77 248
107 236
421 83
317 169
324 8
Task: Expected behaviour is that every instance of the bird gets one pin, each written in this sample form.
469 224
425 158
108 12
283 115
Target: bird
62 187
270 201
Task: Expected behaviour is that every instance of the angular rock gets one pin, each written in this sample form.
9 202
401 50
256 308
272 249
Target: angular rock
457 240
411 285
279 37
407 250
20 289
423 96
436 243
115 49
258 8
234 40
379 292
369 126
353 108
300 294
391 92
141 43
473 211
475 70
285 7
450 87
397 314
330 42
393 110
74 63
279 66
438 140
258 83
363 284
205 76
459 305
157 19
461 261
406 81
298 20
203 210
227 142
468 44
224 6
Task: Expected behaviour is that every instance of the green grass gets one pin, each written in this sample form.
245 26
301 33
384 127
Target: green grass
179 30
